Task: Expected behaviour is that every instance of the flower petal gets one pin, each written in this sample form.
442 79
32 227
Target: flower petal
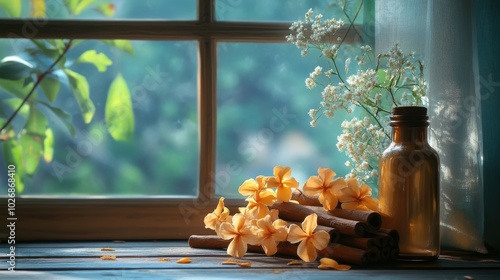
227 231
320 239
296 234
371 203
284 194
306 250
327 263
328 200
350 205
282 172
326 174
269 245
237 248
248 188
210 220
310 223
290 183
365 190
313 185
281 234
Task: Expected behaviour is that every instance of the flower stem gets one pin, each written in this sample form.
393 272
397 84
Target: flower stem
375 118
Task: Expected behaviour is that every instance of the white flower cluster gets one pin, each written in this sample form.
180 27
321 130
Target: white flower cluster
313 31
363 142
396 80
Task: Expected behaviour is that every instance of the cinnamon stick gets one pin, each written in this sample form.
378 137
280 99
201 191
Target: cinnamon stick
305 199
363 242
296 212
215 242
346 254
372 218
385 232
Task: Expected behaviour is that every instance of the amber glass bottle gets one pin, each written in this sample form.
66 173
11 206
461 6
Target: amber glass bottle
409 185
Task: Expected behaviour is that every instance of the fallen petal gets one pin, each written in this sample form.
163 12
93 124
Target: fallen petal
184 260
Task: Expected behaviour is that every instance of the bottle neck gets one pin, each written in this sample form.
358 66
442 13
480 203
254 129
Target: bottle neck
416 134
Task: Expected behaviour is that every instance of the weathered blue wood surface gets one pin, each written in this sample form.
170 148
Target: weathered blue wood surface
140 260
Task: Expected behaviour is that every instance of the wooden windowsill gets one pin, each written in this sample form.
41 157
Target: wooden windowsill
141 260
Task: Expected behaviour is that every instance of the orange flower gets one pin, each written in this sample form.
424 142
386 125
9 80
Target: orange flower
357 198
270 233
310 241
219 215
253 186
326 186
283 182
258 205
241 235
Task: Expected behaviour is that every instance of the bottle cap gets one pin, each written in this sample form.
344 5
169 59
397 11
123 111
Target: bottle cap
409 116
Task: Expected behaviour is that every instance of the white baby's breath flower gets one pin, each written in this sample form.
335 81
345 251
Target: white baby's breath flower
310 83
312 113
313 123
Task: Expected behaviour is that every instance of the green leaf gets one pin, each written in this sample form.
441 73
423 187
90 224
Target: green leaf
80 88
38 9
14 103
16 87
48 145
32 139
12 7
14 68
32 150
63 116
12 153
123 45
50 86
100 60
118 113
37 123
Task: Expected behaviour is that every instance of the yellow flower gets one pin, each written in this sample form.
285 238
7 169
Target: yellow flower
271 233
327 263
219 215
253 186
258 205
310 241
326 186
241 235
283 182
357 198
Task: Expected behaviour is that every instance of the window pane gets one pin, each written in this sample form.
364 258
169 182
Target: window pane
161 158
276 10
101 9
262 116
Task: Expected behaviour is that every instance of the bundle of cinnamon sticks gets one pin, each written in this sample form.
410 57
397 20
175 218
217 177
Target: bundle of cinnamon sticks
356 237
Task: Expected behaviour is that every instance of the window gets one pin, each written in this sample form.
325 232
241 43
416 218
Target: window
208 99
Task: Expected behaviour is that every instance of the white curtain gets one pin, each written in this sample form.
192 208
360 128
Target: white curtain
442 33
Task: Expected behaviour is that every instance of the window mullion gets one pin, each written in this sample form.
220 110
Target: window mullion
207 102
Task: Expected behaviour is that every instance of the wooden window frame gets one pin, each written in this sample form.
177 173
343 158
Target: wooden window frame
141 218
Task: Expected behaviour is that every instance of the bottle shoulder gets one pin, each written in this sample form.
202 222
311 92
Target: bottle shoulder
399 149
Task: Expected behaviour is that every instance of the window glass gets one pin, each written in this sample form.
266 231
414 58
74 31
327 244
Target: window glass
262 116
160 158
278 10
100 9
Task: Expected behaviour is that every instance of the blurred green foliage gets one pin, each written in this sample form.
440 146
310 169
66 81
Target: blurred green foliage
262 108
